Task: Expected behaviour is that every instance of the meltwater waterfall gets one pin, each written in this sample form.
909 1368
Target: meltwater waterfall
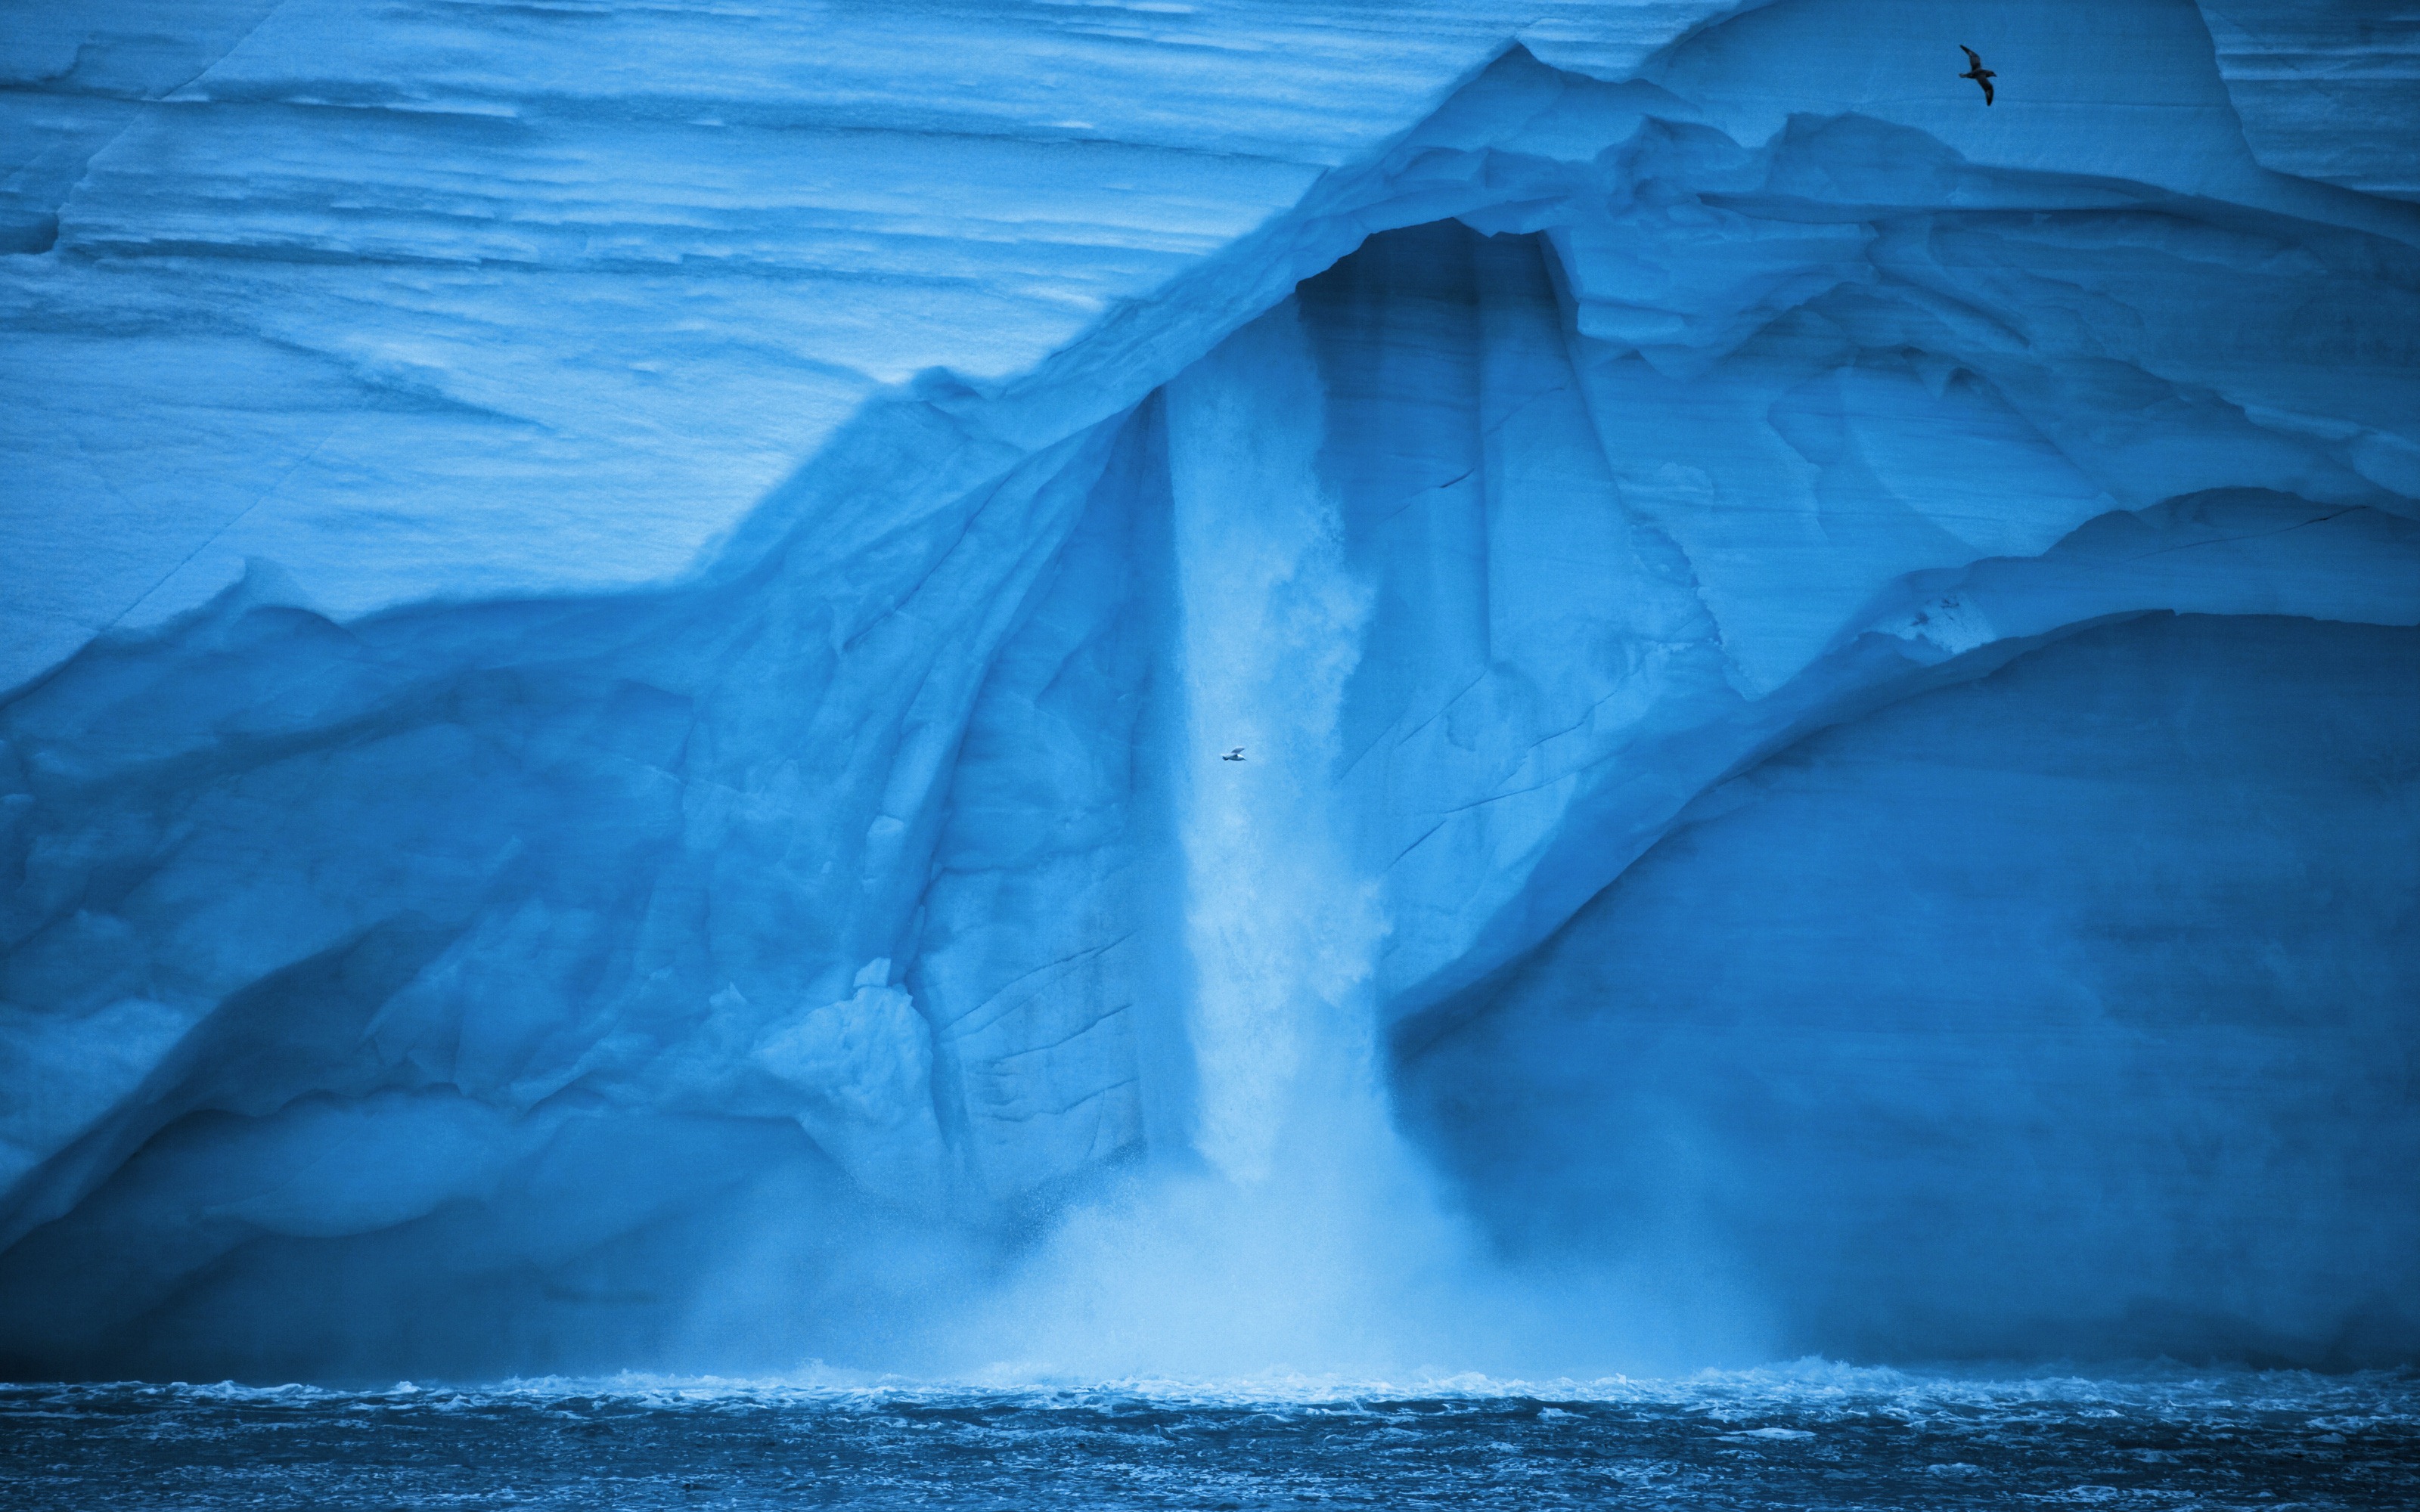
1282 930
1291 1228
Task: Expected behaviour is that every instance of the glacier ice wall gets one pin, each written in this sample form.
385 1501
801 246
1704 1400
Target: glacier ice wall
2083 988
1825 681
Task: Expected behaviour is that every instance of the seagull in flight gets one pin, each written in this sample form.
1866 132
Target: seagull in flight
1976 72
1236 755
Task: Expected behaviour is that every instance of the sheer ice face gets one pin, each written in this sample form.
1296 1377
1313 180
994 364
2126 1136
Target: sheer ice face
1825 677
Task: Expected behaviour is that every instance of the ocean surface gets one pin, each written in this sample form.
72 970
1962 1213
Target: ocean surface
1812 1435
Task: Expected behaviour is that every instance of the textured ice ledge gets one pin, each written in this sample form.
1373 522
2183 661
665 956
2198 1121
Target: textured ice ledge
442 302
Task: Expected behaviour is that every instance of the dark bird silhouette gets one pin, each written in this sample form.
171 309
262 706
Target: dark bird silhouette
1976 72
1236 755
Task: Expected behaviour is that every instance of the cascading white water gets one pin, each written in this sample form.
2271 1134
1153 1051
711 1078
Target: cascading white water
1282 936
1306 1235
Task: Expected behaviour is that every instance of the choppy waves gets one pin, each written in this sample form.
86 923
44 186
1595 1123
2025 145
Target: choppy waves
1808 1434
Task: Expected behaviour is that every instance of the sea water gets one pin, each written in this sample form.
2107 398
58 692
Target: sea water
1810 1435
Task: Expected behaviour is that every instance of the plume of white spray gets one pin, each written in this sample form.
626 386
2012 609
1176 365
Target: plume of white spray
1307 1237
1282 936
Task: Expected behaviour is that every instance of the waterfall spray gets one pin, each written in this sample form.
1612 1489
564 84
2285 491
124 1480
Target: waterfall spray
1305 1236
1281 935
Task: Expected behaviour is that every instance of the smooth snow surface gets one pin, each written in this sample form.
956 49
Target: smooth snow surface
623 619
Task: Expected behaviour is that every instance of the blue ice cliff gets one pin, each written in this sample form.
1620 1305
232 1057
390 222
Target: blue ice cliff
620 619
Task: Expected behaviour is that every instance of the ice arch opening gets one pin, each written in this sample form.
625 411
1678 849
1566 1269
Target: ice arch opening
717 975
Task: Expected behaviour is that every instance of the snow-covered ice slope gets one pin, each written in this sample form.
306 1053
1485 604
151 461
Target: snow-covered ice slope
437 298
625 617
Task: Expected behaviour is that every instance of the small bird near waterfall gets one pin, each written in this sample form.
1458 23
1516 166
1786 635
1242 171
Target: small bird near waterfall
1236 755
1976 72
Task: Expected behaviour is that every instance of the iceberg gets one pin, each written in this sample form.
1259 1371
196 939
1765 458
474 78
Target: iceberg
623 619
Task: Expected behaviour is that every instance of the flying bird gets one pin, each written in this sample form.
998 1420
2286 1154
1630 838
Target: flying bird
1236 755
1976 72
